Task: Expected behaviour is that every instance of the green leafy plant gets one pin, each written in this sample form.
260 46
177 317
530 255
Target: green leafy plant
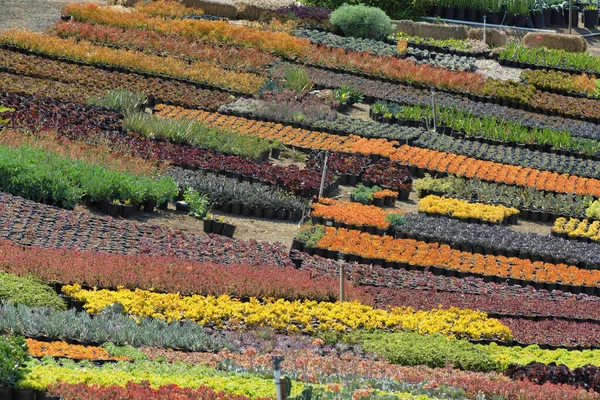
362 21
122 100
199 205
396 219
346 96
13 359
296 79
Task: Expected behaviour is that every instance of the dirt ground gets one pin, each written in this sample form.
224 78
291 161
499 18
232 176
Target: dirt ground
35 15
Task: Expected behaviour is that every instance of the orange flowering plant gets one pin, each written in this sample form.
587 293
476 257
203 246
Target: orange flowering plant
66 350
351 213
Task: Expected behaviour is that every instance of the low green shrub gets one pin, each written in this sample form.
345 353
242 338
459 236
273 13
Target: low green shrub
396 9
197 134
13 357
435 351
362 21
28 290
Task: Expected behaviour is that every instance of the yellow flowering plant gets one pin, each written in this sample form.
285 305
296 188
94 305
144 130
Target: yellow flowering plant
463 209
306 316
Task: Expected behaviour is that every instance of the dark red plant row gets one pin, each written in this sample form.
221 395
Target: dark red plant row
29 223
384 173
166 91
46 88
587 377
424 290
168 274
555 332
137 391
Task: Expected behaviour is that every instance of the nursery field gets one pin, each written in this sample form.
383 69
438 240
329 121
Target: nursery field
190 205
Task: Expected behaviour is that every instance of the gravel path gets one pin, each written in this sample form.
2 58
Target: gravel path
35 15
492 69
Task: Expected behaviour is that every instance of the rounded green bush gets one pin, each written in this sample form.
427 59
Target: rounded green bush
362 21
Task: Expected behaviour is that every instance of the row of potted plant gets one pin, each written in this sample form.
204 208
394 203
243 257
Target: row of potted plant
134 390
450 45
467 212
243 279
395 69
168 9
198 134
411 95
354 169
374 195
35 224
499 241
583 230
300 138
490 384
79 327
408 253
83 81
556 333
239 59
88 153
131 60
421 289
348 214
241 198
561 60
561 82
443 162
302 182
583 377
509 155
491 130
534 205
45 373
304 316
61 349
46 177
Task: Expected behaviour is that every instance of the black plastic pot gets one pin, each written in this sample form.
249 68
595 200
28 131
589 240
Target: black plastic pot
114 209
590 18
557 17
521 20
496 17
217 227
472 14
164 205
450 12
510 19
228 230
127 210
547 15
247 211
236 208
149 205
574 19
439 11
182 206
23 394
275 153
6 394
208 223
537 17
460 14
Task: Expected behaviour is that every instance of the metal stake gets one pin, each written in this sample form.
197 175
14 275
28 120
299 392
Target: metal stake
342 280
323 175
570 15
277 364
434 108
484 22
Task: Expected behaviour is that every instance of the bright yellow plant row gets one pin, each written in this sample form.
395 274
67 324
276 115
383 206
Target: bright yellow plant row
463 209
198 71
577 228
291 316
